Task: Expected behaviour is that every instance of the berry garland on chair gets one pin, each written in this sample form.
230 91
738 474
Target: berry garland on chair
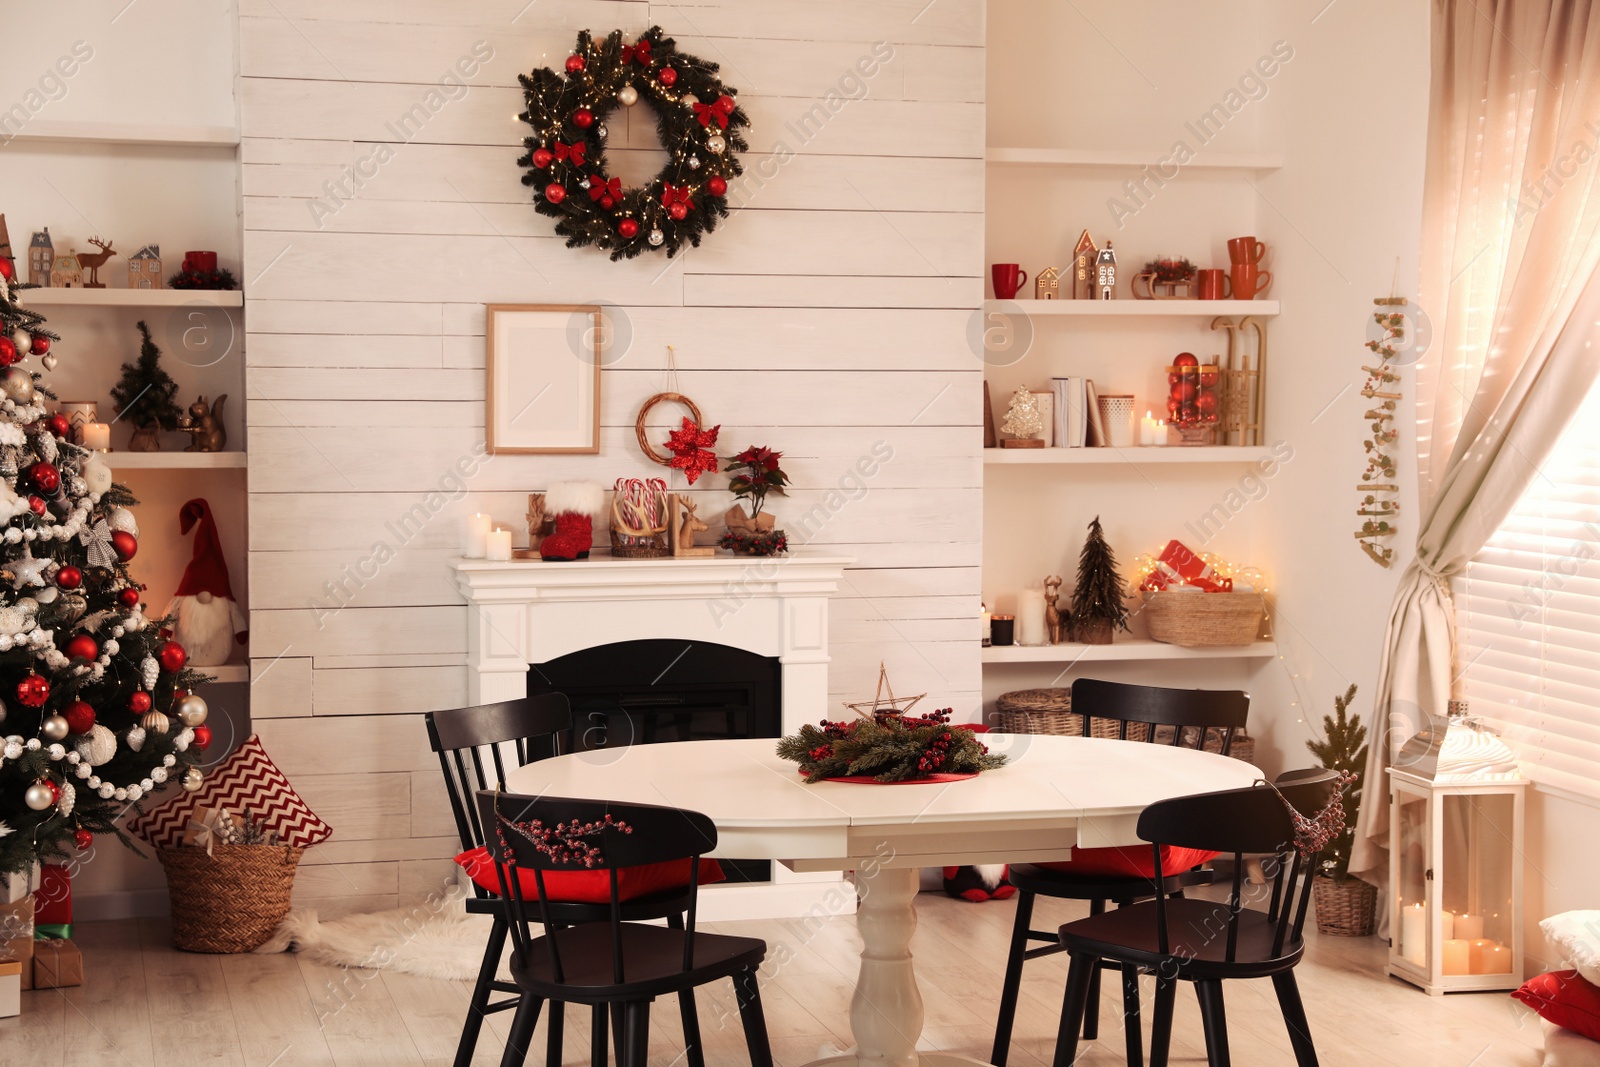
698 122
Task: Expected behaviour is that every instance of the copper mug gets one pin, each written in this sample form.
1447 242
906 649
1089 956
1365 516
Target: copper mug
1007 279
1246 250
1212 284
1249 281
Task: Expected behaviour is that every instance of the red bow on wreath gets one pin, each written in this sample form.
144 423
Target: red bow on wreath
706 113
572 153
640 51
671 194
691 450
598 187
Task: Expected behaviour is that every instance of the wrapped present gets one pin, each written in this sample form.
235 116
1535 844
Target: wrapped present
44 930
10 988
13 886
1179 566
16 936
52 901
57 964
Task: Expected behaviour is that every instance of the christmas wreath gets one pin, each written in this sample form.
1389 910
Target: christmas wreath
899 748
698 122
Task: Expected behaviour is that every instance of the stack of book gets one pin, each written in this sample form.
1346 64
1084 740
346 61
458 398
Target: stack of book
1077 414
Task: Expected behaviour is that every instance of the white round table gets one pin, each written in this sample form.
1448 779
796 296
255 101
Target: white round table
1055 792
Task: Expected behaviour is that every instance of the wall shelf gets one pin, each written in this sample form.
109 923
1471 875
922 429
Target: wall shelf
1081 157
1199 309
157 461
132 297
1107 457
1123 650
157 134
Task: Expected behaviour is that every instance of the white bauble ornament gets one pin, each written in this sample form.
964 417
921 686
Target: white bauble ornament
122 519
690 100
83 770
68 801
158 775
17 384
38 796
23 340
694 162
96 474
33 744
627 96
97 746
656 237
53 728
192 710
56 752
716 144
154 722
193 779
135 737
13 750
49 360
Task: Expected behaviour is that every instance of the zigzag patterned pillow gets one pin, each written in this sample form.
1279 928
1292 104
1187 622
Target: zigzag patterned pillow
246 781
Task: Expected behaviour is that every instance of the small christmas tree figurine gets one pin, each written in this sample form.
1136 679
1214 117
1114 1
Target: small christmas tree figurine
145 395
1023 420
1343 748
1097 602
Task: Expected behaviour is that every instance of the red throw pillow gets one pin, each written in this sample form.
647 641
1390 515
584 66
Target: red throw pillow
1129 861
591 886
1565 998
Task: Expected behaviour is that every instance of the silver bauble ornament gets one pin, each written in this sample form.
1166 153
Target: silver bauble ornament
627 96
193 779
656 237
97 746
17 384
192 710
154 722
135 737
39 797
600 131
49 360
23 340
716 143
583 184
53 728
694 162
690 100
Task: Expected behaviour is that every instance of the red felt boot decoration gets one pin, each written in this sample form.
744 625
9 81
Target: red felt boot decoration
572 540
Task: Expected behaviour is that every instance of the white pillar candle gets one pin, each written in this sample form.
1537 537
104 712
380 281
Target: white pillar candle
97 436
1457 956
1030 617
984 629
1448 917
1466 927
1494 958
1161 432
475 538
499 545
1414 935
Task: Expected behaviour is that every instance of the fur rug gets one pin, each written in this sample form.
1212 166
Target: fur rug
435 939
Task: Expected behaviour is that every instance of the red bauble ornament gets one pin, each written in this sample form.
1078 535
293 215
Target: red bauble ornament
717 185
668 76
1208 378
139 703
55 791
202 736
125 544
574 64
1206 402
607 203
79 716
8 271
172 656
583 118
37 505
45 476
542 157
1173 405
1173 378
678 211
555 192
1185 359
1188 414
82 647
1183 391
725 104
59 425
628 228
8 352
33 691
82 838
39 343
129 597
69 577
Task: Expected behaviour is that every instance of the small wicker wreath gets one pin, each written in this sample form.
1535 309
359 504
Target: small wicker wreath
644 411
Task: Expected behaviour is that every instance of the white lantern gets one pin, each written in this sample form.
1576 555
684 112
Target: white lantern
1455 834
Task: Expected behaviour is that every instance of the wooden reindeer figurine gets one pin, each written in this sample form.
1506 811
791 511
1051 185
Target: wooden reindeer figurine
204 424
1052 614
93 261
683 524
538 527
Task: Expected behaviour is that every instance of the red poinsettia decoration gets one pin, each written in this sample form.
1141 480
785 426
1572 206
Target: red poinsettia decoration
691 450
759 474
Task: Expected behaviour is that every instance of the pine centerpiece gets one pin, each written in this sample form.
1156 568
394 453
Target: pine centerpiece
1345 905
896 749
1098 607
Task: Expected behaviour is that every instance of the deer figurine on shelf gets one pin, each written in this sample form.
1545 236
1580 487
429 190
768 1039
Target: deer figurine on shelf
93 261
683 523
1052 614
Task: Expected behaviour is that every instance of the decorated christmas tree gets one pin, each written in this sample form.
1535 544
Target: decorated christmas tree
1343 748
1097 602
146 394
95 708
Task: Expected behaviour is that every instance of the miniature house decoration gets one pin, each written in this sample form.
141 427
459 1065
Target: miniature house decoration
65 272
1455 824
1083 257
5 246
1105 273
1047 284
144 268
41 258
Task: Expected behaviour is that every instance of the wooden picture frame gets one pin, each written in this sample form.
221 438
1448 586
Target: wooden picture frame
542 378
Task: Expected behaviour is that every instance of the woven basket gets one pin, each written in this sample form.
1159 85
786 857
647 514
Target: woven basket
1347 909
1202 620
1049 711
1243 748
231 900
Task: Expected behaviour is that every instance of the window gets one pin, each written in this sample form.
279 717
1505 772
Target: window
1529 616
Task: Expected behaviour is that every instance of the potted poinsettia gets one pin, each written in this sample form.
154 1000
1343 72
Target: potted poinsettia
754 473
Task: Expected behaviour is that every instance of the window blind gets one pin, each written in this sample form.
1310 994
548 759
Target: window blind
1528 612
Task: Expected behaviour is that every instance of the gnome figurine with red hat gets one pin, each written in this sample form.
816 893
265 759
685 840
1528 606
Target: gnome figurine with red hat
207 620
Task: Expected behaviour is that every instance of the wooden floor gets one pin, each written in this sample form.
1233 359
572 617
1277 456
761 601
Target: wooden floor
147 1004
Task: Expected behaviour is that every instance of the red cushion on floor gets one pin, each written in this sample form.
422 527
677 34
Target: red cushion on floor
1565 998
591 887
1129 861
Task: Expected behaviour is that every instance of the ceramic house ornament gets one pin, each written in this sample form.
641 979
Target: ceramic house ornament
1047 284
144 268
1083 265
1105 273
65 273
41 258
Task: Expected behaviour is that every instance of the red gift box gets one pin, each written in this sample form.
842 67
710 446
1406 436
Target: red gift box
52 901
1177 565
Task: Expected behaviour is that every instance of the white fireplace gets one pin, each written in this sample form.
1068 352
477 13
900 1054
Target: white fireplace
526 612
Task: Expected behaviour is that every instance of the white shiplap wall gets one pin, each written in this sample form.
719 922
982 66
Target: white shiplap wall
829 313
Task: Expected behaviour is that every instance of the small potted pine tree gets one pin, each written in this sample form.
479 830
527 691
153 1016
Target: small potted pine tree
1098 607
145 395
1346 905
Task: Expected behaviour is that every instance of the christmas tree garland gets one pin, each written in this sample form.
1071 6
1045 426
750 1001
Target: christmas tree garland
698 121
899 748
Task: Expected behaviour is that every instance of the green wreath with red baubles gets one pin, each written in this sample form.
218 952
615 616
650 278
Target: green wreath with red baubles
697 119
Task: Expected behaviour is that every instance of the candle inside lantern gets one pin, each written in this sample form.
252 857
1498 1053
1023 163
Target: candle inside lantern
1457 956
1467 927
97 436
1448 918
1414 935
498 546
475 538
1030 617
1493 958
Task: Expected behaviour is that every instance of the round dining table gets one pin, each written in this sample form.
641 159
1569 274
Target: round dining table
1054 793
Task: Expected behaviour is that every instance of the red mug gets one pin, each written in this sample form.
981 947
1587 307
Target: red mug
1246 250
1007 279
200 262
1249 281
1213 284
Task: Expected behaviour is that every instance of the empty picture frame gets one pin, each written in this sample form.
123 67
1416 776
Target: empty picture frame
543 377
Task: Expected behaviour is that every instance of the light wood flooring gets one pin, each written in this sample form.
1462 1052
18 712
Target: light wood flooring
147 1004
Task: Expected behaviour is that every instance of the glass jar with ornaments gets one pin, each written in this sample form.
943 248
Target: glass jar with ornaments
1194 400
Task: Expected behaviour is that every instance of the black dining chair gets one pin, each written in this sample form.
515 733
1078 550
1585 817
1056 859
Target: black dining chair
1208 942
1180 717
475 746
612 963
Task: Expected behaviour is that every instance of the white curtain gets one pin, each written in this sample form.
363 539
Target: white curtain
1511 212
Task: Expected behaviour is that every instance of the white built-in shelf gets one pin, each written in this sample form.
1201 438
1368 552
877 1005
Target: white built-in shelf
1117 456
1123 650
141 298
1156 308
152 133
231 672
1086 157
157 461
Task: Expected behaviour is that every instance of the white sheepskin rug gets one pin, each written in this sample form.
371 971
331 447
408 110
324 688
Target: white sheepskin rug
433 939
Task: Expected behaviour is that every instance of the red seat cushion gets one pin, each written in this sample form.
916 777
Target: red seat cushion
1565 998
591 886
1129 861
